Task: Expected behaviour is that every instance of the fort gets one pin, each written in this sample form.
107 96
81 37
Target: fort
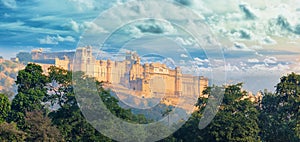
145 80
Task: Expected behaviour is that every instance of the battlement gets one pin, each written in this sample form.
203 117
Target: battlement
131 73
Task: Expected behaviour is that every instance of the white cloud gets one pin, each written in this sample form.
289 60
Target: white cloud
269 41
256 21
248 11
169 62
90 26
185 41
56 39
69 6
74 26
201 60
266 68
183 56
20 26
48 40
230 67
82 5
94 28
270 60
9 3
139 29
240 47
243 64
253 60
256 47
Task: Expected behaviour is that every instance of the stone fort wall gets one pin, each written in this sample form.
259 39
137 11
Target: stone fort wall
146 79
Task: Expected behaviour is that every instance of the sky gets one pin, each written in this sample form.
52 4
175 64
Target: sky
259 39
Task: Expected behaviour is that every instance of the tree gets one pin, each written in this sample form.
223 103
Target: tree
8 93
68 117
60 87
31 84
237 120
10 133
272 127
4 107
280 116
31 77
40 128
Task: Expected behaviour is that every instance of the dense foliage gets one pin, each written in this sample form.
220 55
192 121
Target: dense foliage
45 109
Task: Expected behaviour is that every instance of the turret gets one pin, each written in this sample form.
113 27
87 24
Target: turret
146 71
109 70
138 61
178 82
101 62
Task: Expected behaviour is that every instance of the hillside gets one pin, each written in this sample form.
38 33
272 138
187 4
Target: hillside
8 74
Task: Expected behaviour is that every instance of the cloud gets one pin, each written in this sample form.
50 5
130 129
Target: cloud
185 41
70 6
240 47
266 68
20 26
279 26
268 41
248 11
155 27
230 67
48 40
94 28
199 61
74 26
56 39
184 2
83 5
169 62
90 26
245 34
297 29
270 60
253 21
183 56
253 60
241 34
9 3
283 23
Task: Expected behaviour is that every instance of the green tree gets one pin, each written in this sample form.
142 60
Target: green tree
4 107
8 93
10 133
68 117
237 120
60 85
40 128
280 117
31 84
31 77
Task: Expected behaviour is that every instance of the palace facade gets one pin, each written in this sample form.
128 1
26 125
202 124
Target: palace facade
146 80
